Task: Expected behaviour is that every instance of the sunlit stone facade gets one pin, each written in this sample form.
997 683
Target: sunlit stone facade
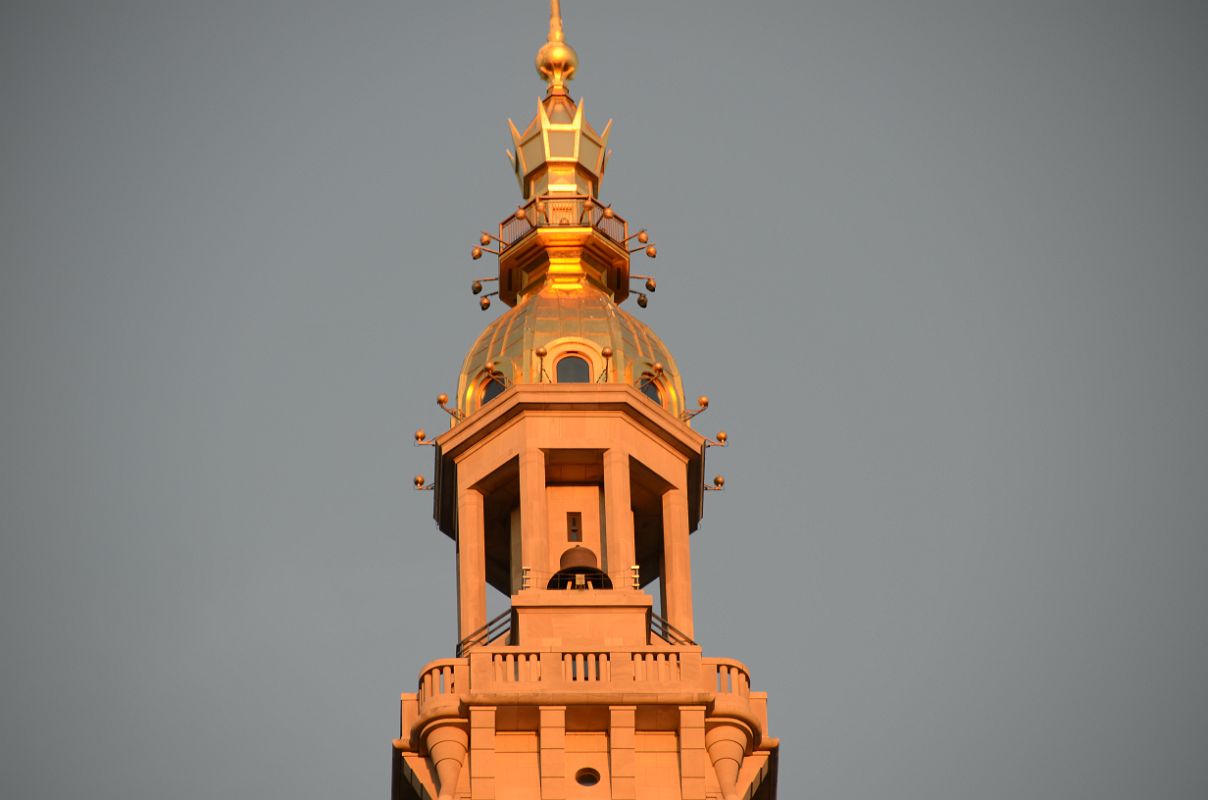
570 481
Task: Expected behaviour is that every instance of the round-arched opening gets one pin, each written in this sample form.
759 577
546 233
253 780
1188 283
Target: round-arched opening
651 390
587 777
573 369
493 388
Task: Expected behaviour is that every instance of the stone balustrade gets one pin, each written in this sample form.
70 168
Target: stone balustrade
510 675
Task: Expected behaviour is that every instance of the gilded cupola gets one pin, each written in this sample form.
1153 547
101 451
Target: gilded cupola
564 264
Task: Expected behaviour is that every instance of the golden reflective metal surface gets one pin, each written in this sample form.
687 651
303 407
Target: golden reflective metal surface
580 321
564 262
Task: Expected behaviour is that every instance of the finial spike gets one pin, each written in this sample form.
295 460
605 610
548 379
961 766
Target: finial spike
555 22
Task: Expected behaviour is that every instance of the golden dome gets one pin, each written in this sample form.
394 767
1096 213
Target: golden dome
526 344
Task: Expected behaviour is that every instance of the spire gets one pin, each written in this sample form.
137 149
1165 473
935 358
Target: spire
556 60
555 22
559 153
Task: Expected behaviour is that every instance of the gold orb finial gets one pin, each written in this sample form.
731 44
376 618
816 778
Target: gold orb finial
556 60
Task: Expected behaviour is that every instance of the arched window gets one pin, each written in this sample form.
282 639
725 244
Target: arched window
573 369
493 389
651 390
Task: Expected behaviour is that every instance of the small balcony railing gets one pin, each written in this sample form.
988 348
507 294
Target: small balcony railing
668 632
500 628
494 630
562 210
506 674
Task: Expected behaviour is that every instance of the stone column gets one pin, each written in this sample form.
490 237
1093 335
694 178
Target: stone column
471 564
553 752
534 517
622 746
618 515
677 565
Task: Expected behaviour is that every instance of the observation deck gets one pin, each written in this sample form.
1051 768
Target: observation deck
568 236
658 675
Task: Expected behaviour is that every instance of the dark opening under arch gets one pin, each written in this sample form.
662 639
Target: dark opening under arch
573 369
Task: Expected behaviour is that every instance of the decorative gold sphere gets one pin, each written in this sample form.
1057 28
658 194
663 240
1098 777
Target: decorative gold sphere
521 213
420 434
490 367
420 480
643 237
606 352
485 239
556 63
484 303
719 481
608 212
476 253
442 399
658 368
541 352
722 437
651 285
703 401
652 252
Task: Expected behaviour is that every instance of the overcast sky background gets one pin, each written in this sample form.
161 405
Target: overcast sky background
939 265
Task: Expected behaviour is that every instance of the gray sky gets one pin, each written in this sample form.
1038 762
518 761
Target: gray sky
939 265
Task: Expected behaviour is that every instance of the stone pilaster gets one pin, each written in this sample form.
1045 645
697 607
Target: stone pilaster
694 758
622 754
553 752
482 752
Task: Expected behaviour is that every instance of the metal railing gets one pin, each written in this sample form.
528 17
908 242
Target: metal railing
569 210
663 629
496 629
501 626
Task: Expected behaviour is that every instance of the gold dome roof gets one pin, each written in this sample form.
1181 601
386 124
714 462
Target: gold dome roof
525 345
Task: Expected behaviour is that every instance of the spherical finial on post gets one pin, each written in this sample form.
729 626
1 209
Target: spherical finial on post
556 60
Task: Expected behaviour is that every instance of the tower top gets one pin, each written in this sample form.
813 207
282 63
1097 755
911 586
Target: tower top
559 153
556 60
570 480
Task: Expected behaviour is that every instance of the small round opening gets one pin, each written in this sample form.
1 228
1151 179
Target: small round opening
587 777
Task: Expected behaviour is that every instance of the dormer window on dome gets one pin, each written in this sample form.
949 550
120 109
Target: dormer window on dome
573 368
493 388
651 390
